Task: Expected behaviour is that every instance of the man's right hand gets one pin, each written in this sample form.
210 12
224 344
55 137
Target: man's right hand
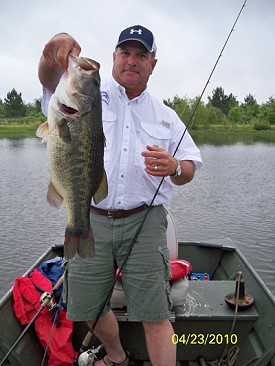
57 49
54 60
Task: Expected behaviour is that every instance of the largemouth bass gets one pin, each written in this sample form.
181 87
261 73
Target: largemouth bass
75 148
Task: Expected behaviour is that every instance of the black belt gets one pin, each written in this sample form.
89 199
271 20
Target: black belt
117 214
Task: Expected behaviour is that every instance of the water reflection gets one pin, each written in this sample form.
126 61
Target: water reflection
231 138
16 143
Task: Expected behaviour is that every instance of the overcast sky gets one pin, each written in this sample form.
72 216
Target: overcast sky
189 35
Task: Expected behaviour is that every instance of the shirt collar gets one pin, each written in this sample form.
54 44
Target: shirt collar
120 90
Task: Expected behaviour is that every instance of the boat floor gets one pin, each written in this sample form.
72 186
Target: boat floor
147 363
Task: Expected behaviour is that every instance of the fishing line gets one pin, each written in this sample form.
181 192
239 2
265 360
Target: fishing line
87 339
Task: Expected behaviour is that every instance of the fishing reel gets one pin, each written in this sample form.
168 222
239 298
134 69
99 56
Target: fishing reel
46 300
88 357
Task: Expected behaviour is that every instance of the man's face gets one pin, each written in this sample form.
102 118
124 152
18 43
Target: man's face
132 66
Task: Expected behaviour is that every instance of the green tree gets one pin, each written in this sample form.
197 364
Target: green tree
267 111
222 101
181 106
201 115
34 109
215 116
235 114
2 109
14 105
217 99
178 104
250 108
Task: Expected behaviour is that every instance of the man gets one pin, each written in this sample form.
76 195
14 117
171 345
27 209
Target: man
141 137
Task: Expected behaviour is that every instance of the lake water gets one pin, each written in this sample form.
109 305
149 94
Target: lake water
233 195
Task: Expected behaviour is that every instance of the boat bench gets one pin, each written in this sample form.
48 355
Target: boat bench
205 300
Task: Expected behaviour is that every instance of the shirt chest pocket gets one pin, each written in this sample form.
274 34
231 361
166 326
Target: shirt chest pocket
151 134
109 119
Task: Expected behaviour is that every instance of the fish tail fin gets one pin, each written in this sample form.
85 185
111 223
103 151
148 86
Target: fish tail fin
79 242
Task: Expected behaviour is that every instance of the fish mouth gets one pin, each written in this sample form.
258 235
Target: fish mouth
85 63
66 109
88 64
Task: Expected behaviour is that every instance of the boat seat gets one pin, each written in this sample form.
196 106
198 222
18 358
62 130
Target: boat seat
171 236
205 300
180 282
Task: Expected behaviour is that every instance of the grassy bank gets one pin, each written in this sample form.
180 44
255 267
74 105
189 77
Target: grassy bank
17 131
230 127
230 134
213 134
19 127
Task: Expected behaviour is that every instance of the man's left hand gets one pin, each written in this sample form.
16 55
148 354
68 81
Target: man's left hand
158 162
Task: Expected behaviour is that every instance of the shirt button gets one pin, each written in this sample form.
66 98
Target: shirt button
125 149
122 176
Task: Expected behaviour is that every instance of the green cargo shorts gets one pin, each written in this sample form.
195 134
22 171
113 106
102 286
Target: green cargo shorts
145 276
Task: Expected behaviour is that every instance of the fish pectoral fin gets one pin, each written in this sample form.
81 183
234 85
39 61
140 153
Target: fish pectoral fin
102 191
63 130
43 131
53 197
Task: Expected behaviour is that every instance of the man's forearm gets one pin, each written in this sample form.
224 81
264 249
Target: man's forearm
187 173
49 76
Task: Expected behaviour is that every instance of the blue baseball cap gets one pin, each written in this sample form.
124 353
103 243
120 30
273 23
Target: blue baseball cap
140 34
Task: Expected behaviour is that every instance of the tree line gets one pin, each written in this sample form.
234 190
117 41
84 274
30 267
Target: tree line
13 106
221 109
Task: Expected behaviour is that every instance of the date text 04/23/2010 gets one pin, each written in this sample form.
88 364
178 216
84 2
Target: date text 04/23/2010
204 339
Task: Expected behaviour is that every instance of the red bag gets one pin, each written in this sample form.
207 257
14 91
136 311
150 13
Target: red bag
179 268
27 303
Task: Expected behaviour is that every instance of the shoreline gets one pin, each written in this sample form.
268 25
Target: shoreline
211 134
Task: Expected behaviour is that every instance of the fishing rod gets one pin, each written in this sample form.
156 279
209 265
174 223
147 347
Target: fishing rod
88 337
58 308
46 300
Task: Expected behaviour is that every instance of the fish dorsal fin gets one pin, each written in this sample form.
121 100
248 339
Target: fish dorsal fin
53 197
102 191
43 131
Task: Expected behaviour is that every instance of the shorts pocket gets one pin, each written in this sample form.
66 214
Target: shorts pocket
166 259
167 274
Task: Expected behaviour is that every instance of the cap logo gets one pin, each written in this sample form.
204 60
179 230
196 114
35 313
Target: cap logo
132 31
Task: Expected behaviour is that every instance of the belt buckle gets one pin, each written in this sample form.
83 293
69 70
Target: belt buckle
110 214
